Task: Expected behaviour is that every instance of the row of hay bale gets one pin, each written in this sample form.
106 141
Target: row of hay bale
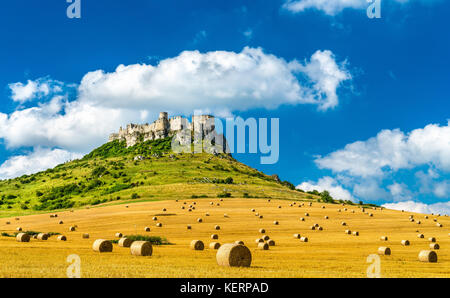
424 255
25 237
137 248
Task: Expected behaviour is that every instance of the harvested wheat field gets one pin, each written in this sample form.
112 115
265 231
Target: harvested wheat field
328 253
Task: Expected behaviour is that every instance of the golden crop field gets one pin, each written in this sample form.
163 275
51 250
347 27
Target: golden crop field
328 253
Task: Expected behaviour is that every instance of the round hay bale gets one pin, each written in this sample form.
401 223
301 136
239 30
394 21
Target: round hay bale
426 216
304 239
214 236
239 242
182 207
343 223
206 214
72 229
147 229
355 233
405 242
326 217
432 239
348 232
197 245
23 237
102 245
141 248
339 210
297 236
323 207
17 218
434 246
265 237
19 229
214 245
217 227
159 225
85 236
320 228
225 215
421 236
164 209
263 246
42 236
385 251
189 227
279 206
262 231
125 242
62 238
302 219
306 214
234 255
259 240
384 238
253 210
8 222
345 209
260 217
119 235
199 220
418 222
428 256
276 222
316 225
155 218
313 227
256 214
370 214
439 225
61 222
271 242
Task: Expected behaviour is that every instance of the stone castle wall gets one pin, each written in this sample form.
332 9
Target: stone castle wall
163 128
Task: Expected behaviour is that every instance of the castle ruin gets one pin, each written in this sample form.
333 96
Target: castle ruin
164 127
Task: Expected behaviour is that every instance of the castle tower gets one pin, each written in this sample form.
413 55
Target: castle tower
163 115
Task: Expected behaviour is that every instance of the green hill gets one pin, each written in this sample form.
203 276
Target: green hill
114 174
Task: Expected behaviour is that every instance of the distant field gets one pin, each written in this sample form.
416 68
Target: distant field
329 253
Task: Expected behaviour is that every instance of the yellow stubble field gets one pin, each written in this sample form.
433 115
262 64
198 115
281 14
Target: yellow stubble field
328 253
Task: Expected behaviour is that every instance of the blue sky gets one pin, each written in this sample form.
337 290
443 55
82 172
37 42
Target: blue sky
394 99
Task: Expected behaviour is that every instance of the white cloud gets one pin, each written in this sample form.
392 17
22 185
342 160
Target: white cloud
33 89
395 166
442 208
73 126
329 184
38 160
392 150
218 81
334 7
329 7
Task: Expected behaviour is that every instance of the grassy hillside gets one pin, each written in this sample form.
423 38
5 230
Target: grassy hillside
114 173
